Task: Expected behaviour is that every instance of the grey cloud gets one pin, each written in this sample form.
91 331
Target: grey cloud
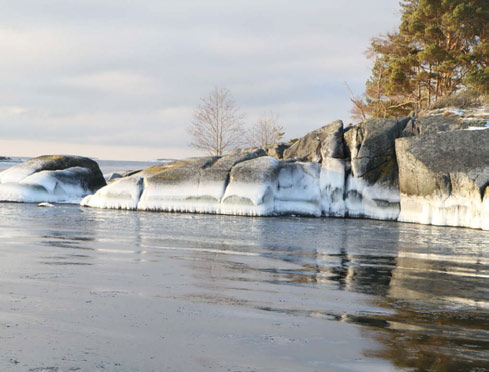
105 71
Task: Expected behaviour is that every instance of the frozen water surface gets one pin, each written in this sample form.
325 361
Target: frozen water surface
106 290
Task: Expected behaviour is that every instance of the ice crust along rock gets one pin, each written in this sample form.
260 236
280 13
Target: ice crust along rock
371 201
332 187
424 170
443 178
122 193
54 179
261 186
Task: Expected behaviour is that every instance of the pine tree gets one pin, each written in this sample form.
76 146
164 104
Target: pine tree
441 46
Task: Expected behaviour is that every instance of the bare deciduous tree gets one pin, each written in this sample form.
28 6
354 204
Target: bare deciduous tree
218 123
267 131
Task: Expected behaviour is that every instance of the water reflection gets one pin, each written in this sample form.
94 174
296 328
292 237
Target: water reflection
428 297
421 292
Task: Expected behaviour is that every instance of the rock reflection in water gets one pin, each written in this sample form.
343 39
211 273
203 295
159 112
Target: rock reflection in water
417 294
434 293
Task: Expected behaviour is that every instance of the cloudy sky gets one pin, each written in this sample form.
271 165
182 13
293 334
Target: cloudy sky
119 79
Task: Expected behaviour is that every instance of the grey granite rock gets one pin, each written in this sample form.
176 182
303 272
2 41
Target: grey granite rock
324 142
444 177
427 125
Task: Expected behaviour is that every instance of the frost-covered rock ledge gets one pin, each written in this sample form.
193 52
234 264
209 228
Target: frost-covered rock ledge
244 182
432 169
51 178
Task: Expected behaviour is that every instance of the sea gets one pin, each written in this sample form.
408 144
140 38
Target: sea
85 289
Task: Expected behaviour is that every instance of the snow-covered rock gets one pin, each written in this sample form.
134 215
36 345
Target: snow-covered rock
51 178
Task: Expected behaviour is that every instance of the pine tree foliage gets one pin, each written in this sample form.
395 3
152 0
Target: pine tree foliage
441 47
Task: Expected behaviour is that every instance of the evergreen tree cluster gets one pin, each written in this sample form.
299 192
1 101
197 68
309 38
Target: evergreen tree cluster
440 48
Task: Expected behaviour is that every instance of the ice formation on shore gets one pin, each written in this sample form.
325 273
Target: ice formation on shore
52 178
44 186
371 201
443 211
257 187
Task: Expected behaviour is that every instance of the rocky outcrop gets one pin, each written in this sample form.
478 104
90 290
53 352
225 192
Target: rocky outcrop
325 146
277 151
51 178
372 188
430 169
242 183
324 142
444 177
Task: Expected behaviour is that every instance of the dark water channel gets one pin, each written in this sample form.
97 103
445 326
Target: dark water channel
86 289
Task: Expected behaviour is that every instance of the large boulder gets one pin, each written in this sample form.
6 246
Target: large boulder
444 177
325 145
51 178
326 141
252 186
372 188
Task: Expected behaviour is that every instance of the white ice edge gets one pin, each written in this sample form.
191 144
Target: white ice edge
446 211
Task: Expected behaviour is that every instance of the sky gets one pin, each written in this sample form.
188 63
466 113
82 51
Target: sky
120 79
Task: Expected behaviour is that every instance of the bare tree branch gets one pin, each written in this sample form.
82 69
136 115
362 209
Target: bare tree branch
267 131
358 112
217 125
